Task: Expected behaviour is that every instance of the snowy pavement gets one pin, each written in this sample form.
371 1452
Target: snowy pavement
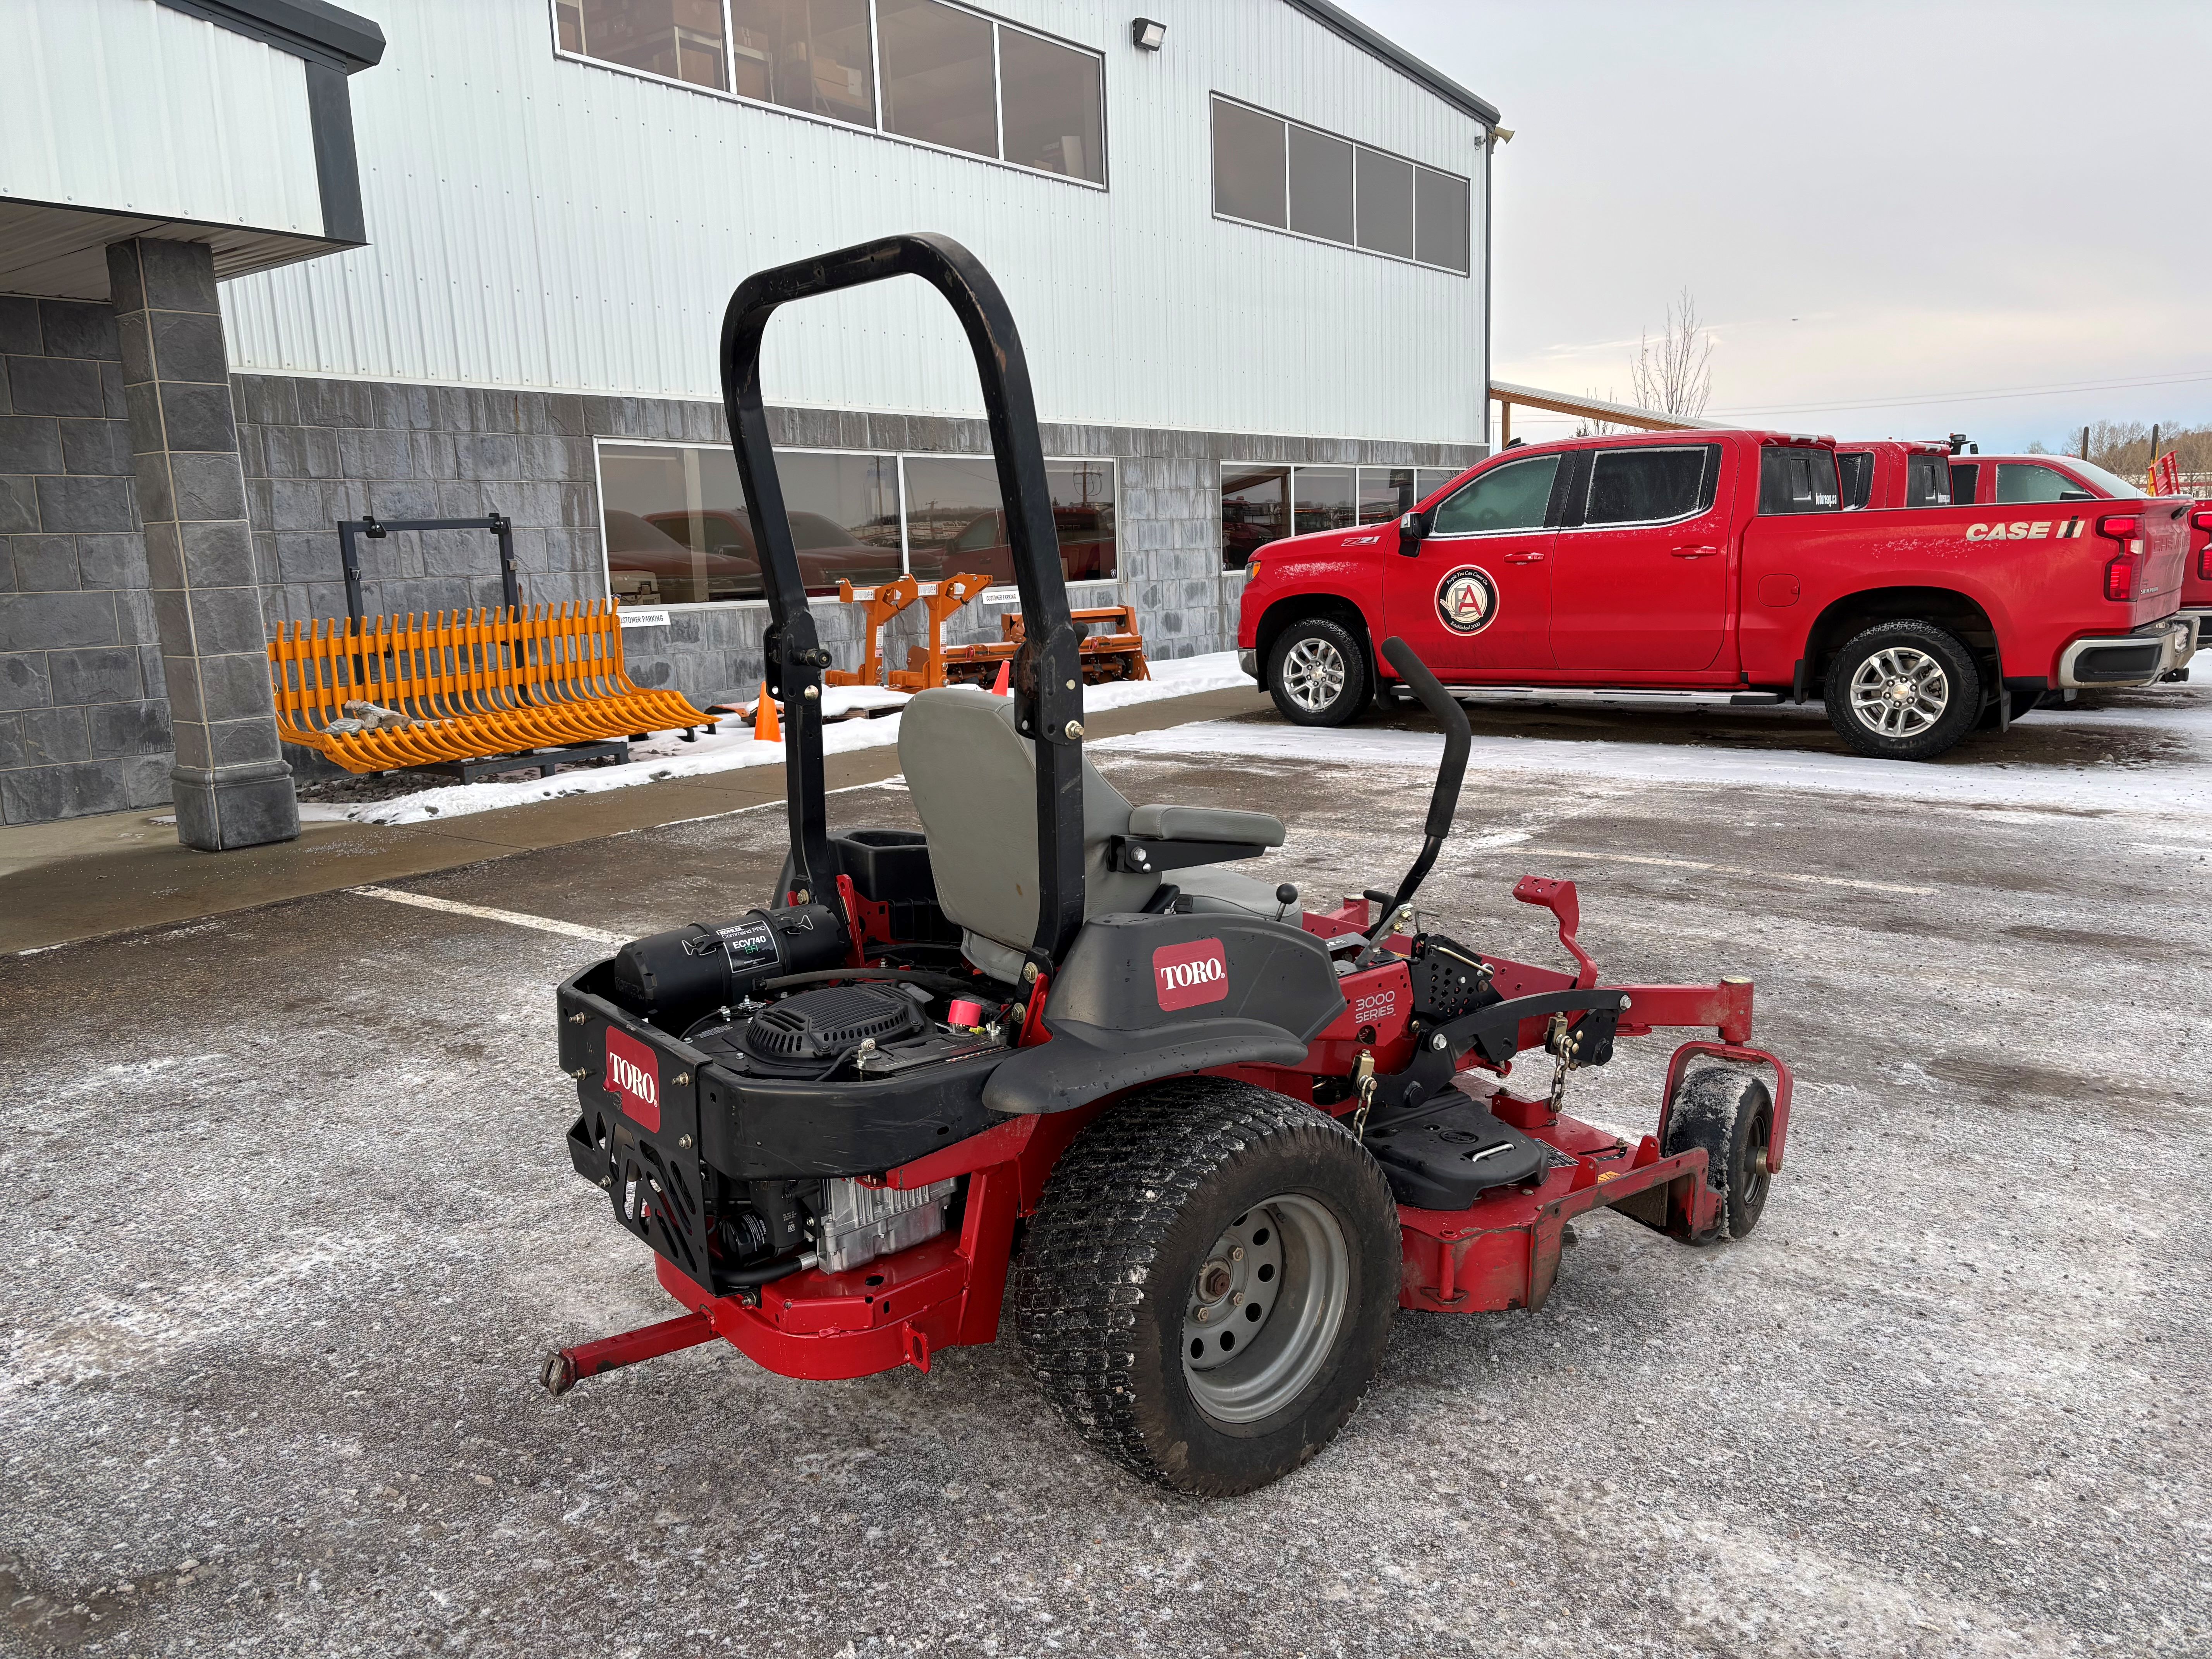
294 1225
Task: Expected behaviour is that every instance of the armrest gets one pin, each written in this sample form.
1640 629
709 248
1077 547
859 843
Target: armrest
1209 823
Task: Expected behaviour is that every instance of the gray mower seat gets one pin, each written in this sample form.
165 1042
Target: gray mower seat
973 778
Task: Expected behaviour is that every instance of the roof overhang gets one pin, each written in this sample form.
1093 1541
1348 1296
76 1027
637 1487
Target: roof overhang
1342 24
273 181
1558 403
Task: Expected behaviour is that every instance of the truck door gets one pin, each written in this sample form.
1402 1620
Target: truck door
1640 574
1477 597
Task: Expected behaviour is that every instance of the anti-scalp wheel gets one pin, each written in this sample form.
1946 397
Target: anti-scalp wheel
1207 1290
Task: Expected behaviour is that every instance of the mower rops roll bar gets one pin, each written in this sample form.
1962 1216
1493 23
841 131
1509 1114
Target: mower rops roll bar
1444 800
1048 710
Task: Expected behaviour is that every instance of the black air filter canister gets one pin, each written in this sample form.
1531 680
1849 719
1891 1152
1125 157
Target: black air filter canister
690 969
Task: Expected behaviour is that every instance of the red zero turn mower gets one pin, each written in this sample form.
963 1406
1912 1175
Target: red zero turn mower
1226 1137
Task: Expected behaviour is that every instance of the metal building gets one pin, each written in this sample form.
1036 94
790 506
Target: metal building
1245 241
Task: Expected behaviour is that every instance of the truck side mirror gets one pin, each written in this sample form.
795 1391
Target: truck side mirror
1412 528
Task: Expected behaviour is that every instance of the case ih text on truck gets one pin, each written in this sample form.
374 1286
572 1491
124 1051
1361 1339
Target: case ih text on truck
1724 563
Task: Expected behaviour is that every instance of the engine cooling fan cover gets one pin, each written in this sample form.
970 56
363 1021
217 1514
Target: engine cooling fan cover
806 1032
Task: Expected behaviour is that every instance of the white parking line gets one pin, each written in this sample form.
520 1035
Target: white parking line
1730 870
484 913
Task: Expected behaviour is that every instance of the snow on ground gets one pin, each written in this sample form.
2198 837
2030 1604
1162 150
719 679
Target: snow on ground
2112 785
668 756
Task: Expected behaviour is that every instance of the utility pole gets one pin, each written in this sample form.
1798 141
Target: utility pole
2085 443
2151 470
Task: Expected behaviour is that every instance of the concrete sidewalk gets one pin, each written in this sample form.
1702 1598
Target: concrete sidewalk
82 878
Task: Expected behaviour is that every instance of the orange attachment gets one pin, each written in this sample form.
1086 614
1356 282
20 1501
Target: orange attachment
462 685
924 668
1116 651
886 602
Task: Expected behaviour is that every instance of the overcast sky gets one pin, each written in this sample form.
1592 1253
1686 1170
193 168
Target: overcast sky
1895 216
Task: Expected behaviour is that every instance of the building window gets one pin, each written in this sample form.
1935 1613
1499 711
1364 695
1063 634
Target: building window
677 40
923 70
1261 504
1271 171
678 530
814 56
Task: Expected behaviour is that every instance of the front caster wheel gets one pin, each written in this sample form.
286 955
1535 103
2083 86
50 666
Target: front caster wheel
1207 1290
1730 1114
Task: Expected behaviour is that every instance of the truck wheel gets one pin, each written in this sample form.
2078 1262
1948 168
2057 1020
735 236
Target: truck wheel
1730 1114
1904 690
1316 673
1207 1290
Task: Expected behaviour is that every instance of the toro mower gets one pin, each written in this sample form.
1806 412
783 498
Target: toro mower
1217 1138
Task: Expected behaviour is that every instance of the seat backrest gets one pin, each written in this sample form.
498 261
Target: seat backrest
973 779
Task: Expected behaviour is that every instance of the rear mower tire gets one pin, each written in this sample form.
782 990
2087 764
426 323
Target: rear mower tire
1730 1114
1207 1195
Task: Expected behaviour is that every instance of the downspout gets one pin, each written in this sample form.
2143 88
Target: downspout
1489 152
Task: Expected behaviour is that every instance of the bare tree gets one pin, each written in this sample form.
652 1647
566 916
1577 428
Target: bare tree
1589 426
1675 377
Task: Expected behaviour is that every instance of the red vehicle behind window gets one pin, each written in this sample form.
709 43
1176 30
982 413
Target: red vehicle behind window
1894 472
1724 563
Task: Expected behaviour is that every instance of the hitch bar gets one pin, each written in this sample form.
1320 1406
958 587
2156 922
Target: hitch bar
567 1367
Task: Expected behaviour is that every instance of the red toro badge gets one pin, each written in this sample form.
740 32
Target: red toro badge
1184 975
634 1076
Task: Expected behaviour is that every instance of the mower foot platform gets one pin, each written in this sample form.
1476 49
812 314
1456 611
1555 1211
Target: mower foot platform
1444 1154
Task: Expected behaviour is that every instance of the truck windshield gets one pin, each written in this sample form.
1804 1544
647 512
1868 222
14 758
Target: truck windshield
1798 479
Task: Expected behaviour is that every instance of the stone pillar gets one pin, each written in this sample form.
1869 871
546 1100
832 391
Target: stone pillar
231 786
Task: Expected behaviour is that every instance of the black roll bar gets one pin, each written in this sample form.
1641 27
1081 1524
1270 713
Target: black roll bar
1051 711
349 530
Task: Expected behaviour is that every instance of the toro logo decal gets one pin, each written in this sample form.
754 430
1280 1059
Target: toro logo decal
2029 530
633 1075
1467 599
1184 975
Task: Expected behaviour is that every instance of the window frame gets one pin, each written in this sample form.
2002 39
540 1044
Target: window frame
1354 245
1564 467
898 457
1709 473
1451 475
876 73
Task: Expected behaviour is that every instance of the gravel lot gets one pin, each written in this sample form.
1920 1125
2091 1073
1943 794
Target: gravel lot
295 1225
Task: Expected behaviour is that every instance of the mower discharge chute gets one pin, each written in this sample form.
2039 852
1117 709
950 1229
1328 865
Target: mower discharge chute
1230 1135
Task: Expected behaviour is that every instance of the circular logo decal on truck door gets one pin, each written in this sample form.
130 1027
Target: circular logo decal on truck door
1467 599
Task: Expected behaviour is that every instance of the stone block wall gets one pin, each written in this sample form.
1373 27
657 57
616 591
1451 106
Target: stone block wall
84 719
316 450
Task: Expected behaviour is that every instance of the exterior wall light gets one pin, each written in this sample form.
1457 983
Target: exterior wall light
1147 35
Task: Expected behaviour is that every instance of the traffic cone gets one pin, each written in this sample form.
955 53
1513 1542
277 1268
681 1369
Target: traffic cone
1001 686
767 728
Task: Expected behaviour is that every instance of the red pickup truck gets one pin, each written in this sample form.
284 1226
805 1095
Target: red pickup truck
2013 479
1724 563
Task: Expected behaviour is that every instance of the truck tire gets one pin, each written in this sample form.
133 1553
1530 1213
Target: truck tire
1316 673
1207 1290
1730 1114
1904 690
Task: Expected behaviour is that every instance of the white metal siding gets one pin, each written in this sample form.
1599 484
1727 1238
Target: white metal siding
128 106
537 222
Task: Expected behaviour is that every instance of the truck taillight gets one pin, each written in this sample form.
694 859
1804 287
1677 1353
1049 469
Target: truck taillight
2123 572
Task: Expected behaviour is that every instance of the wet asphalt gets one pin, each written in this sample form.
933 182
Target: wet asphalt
294 1225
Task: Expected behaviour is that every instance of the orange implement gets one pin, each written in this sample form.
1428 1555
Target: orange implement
886 602
1116 651
463 685
924 668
